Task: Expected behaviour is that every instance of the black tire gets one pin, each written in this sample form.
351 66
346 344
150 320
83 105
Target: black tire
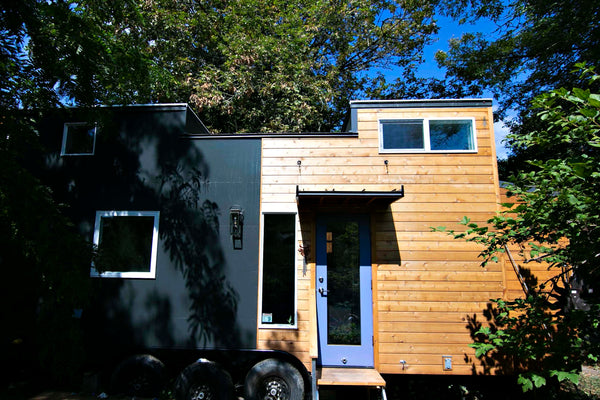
141 375
204 380
274 379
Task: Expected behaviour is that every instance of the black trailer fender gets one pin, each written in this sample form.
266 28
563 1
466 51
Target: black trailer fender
204 380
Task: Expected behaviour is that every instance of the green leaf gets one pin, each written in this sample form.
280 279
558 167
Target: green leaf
590 113
526 383
581 170
538 380
572 200
581 94
594 101
480 352
571 376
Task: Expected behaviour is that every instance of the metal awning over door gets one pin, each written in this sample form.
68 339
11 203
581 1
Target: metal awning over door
344 198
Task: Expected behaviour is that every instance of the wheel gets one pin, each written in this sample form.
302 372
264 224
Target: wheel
141 375
273 379
204 380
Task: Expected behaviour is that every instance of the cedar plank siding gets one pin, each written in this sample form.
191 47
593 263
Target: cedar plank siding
425 284
536 271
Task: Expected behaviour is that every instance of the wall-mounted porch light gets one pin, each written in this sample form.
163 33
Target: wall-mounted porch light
236 227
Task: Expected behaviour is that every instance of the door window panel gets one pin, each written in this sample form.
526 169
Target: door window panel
343 283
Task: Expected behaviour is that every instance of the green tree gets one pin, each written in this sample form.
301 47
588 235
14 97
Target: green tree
551 332
267 66
249 65
51 53
533 46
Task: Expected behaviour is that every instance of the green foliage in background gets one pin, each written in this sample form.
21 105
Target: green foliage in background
249 65
533 46
530 47
553 329
268 66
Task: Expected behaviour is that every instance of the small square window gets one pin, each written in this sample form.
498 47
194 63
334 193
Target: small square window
427 135
403 134
451 134
79 139
127 244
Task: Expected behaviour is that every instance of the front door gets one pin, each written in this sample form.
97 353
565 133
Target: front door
344 298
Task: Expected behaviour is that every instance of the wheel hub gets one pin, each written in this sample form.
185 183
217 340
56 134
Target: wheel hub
138 384
276 389
201 392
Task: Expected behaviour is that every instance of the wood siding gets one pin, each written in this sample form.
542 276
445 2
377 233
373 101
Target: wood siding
533 274
428 288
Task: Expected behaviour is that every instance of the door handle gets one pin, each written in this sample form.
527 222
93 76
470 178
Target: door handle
323 292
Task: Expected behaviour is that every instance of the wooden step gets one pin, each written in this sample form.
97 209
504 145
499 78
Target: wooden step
349 377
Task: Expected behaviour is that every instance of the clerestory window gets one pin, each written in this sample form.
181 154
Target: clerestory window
427 135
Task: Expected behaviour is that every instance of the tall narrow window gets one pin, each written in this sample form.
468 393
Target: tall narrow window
127 244
79 139
278 270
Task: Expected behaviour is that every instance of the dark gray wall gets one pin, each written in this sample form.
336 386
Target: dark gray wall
204 294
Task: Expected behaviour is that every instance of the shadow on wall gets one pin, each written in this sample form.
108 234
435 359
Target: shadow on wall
495 362
190 233
140 164
386 241
287 340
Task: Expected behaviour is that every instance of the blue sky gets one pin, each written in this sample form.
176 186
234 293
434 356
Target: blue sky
450 29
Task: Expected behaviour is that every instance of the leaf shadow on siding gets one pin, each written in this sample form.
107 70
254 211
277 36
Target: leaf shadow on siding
495 362
192 239
288 340
141 164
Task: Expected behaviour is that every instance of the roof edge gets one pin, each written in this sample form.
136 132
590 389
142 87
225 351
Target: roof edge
421 103
271 135
159 106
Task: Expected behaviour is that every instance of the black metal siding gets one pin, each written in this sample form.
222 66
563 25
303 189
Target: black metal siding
204 294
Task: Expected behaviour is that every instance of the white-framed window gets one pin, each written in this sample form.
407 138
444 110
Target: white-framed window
127 243
277 285
79 139
423 135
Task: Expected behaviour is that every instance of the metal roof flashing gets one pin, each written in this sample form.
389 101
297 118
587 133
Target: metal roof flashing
351 121
420 103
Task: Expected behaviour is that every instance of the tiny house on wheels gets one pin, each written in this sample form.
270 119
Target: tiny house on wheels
276 264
